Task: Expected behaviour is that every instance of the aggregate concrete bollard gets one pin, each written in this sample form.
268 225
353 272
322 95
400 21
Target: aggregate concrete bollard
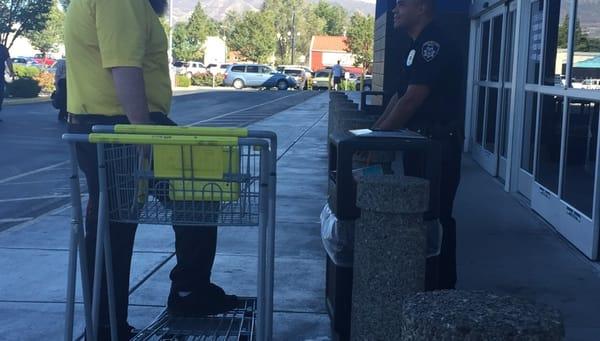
389 252
476 315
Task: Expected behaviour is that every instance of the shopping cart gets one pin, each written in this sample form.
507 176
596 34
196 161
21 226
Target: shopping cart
185 176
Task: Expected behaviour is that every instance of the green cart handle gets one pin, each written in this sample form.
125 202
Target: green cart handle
185 131
163 139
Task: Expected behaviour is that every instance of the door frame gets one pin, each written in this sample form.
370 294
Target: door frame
489 160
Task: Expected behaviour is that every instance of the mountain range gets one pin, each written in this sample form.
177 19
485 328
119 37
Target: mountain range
217 8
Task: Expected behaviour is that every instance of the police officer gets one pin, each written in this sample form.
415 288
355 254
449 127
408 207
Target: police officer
430 104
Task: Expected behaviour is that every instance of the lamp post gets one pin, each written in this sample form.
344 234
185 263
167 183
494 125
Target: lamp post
170 32
170 57
293 34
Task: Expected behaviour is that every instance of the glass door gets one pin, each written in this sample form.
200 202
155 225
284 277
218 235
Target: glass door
490 83
506 91
561 94
529 118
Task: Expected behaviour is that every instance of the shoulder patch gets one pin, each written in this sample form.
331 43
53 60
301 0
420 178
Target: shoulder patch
430 50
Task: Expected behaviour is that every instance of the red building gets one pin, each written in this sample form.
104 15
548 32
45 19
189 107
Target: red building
327 50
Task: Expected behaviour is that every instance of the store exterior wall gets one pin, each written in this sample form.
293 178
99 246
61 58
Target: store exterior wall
533 104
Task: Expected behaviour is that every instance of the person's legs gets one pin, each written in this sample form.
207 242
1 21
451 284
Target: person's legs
62 92
447 261
441 270
192 292
2 88
195 249
122 238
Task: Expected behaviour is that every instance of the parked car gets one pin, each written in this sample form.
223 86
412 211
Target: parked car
368 83
44 60
301 76
322 80
257 76
27 61
591 84
189 68
217 68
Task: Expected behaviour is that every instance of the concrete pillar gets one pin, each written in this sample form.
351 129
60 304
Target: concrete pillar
464 315
389 253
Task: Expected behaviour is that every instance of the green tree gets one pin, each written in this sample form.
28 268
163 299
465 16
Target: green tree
18 17
200 26
335 17
360 40
189 37
254 37
228 24
49 39
293 18
583 42
183 47
563 33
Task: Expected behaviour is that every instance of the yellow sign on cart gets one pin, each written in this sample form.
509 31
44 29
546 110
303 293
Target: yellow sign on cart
198 173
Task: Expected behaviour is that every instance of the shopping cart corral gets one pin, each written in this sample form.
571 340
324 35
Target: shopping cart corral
193 176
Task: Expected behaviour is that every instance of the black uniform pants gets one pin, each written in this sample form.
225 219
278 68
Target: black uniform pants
195 247
2 89
441 270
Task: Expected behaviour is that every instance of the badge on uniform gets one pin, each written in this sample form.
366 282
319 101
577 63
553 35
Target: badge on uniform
411 57
430 50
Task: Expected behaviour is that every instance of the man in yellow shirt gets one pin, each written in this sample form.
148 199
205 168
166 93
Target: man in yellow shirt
119 73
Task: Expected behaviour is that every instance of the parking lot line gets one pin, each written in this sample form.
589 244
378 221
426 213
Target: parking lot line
242 110
41 197
35 171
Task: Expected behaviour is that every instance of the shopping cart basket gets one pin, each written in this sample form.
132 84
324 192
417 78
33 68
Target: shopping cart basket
185 176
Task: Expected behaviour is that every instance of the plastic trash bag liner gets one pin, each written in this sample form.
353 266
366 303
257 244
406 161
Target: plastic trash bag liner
337 237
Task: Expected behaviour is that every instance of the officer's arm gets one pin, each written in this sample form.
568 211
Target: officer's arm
404 109
388 109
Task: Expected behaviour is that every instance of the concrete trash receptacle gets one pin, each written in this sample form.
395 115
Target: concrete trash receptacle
389 252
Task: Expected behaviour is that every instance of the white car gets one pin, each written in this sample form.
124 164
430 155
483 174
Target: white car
217 69
189 68
591 84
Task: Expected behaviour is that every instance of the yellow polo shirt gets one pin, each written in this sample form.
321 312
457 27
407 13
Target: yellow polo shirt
103 34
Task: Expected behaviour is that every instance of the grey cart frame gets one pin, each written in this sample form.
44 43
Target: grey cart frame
265 140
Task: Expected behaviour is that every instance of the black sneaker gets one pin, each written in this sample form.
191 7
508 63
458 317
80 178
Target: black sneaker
209 301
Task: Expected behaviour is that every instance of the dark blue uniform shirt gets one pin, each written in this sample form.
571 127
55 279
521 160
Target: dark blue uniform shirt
433 60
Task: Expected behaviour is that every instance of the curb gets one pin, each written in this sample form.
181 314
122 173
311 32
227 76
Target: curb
176 92
19 101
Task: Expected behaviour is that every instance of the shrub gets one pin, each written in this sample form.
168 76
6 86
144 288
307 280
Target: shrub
348 85
46 81
24 88
182 81
206 79
22 71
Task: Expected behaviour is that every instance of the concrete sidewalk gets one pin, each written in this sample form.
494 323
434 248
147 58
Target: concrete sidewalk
502 247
